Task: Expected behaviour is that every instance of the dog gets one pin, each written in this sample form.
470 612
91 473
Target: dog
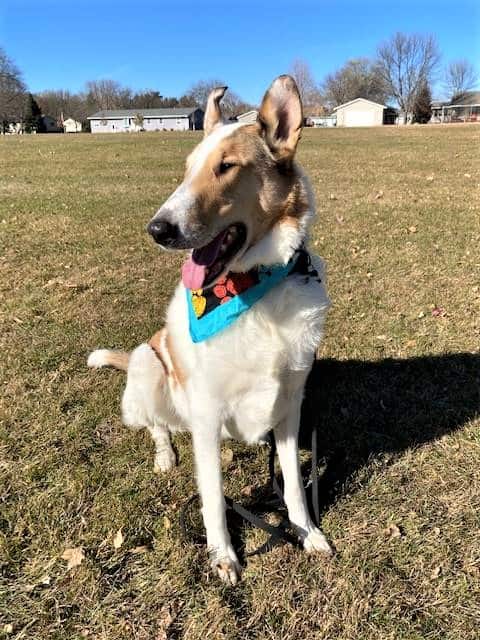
244 210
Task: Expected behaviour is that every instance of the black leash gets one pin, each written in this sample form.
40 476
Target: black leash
279 533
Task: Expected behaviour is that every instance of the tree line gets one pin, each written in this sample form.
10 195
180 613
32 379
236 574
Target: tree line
402 71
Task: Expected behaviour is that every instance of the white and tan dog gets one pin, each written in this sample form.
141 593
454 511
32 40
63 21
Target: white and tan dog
244 202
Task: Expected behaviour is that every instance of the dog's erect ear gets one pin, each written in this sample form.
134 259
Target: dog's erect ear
281 118
213 114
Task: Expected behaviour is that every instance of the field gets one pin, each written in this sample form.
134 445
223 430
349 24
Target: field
396 393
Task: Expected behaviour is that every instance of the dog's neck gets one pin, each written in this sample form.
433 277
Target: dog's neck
284 238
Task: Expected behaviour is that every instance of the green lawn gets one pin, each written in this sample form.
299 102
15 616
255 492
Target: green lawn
397 395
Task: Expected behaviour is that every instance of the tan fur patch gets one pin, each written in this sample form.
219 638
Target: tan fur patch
155 343
177 372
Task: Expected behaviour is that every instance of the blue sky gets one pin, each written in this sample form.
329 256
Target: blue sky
168 45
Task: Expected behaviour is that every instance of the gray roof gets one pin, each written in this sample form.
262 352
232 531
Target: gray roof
468 99
110 114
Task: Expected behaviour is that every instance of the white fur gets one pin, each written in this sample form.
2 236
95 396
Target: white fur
242 383
98 358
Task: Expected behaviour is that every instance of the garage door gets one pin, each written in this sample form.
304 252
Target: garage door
359 118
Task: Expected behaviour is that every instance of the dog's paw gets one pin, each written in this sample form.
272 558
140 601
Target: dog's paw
225 564
165 460
316 542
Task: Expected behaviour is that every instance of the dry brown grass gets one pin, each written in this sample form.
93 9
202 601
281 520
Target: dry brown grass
397 396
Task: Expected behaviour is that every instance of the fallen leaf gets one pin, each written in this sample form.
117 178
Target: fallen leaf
392 531
340 219
118 539
74 557
467 175
430 178
8 628
248 490
438 312
379 195
412 229
436 572
166 523
332 196
142 549
227 456
166 617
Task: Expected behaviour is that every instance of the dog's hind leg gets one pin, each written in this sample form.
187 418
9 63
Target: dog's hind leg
165 458
146 403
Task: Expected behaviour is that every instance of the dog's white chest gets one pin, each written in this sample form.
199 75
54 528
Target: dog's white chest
253 368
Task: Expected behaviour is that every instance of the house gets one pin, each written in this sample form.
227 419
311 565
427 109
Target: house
466 108
72 126
321 121
50 125
249 117
119 120
364 113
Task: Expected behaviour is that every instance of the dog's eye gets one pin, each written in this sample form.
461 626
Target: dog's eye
224 167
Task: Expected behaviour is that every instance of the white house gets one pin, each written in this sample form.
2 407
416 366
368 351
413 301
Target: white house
364 113
322 121
249 117
119 120
72 126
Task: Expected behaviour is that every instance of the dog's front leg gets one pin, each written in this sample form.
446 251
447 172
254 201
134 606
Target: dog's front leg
286 436
206 444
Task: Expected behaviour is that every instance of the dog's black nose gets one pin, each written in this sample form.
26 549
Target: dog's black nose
162 232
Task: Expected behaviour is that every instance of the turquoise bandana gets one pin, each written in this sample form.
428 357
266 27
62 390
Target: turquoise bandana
213 310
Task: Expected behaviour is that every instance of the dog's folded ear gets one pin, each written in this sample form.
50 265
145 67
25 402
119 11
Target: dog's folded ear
281 118
213 114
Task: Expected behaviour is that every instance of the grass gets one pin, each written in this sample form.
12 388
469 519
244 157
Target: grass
396 394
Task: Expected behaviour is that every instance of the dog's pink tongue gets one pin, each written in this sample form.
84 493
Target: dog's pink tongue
193 275
194 269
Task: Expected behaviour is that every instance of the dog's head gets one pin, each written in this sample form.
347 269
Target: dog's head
240 182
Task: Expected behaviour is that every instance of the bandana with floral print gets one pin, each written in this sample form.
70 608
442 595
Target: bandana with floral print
212 310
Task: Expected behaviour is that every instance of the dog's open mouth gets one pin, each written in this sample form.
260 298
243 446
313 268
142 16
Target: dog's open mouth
205 264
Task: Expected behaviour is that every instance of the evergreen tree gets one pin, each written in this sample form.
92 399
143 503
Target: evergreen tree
422 107
32 119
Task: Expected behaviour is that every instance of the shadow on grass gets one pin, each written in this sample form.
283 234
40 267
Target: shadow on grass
367 409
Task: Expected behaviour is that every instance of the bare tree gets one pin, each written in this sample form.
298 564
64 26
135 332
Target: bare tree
460 77
358 78
198 93
405 62
12 92
107 94
307 87
59 102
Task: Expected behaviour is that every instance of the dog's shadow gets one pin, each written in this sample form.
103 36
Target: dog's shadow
364 410
367 409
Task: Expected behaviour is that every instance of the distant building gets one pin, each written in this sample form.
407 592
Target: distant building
321 121
50 125
249 117
120 120
72 126
465 108
364 113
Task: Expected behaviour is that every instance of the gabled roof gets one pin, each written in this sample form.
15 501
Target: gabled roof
113 114
346 104
247 113
468 99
